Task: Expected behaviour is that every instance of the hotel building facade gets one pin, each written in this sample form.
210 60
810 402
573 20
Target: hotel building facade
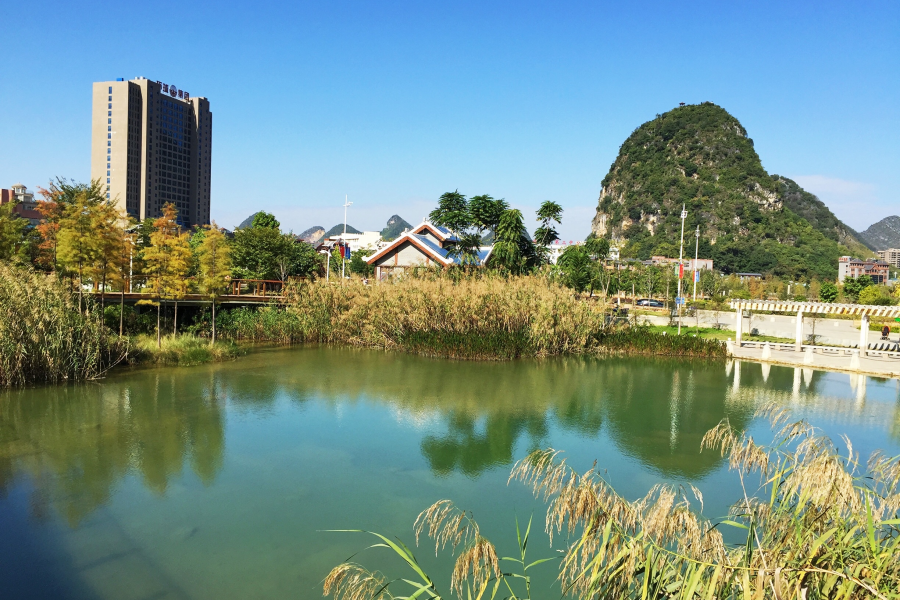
151 143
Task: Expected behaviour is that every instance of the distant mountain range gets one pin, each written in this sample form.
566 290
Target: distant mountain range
396 225
248 221
884 234
339 229
313 235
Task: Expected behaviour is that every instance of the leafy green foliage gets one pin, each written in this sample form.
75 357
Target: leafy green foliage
828 292
266 253
358 264
700 156
513 250
854 285
264 219
486 212
576 267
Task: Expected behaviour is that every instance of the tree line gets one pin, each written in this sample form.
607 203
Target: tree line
90 240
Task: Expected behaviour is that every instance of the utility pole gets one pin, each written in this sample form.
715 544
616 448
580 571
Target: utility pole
680 300
696 255
343 261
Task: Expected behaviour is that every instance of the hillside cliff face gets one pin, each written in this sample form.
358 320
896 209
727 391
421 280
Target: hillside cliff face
884 234
395 226
700 156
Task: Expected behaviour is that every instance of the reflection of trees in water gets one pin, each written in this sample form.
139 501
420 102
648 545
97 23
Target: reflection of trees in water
657 410
77 442
470 449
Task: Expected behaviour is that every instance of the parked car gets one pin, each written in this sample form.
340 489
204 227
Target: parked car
649 302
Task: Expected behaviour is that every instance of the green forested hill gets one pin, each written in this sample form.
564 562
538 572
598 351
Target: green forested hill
701 156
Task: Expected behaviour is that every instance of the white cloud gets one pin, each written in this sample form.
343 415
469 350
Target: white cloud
856 203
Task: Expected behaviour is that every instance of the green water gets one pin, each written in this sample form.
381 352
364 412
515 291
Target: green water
215 482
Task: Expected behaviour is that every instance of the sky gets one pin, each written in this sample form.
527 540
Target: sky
393 104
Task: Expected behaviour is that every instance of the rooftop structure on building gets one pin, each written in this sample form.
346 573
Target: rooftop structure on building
24 203
877 270
891 256
424 245
151 143
367 240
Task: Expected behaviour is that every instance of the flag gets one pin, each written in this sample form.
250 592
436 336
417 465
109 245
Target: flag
680 270
696 275
347 252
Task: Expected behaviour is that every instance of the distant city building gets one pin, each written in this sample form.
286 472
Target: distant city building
25 205
151 143
854 267
891 256
367 240
689 263
748 276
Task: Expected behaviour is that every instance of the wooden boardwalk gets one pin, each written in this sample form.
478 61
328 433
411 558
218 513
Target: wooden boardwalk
242 292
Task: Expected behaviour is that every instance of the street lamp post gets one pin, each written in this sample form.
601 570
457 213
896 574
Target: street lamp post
681 267
696 256
343 261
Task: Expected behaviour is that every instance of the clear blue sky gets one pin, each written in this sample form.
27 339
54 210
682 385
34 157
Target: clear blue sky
396 103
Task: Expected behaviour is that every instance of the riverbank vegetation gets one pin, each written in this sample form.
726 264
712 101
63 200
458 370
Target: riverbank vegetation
184 349
44 337
474 316
813 523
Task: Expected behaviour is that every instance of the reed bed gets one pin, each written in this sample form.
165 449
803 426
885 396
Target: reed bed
184 349
44 338
818 524
452 317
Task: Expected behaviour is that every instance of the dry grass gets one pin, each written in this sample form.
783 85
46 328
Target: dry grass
478 317
819 525
44 338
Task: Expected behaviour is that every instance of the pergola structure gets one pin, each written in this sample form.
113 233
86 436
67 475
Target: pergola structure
863 311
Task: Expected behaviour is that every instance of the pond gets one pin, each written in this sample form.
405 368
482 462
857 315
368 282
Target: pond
219 481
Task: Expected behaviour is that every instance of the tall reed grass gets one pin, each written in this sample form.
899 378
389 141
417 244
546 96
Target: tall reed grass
44 338
469 318
818 525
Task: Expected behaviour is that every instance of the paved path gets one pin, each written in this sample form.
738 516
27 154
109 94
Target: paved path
839 332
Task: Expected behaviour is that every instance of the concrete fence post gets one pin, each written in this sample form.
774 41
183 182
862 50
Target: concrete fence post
863 335
799 342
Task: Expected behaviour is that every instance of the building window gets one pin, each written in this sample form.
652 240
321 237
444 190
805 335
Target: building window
109 115
109 143
107 173
109 135
107 180
110 105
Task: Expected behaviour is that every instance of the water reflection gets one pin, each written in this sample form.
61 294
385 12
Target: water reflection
77 443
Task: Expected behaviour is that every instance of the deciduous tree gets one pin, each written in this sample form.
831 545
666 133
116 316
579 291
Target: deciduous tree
214 267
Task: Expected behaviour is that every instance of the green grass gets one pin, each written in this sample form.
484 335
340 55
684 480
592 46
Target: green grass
183 350
710 333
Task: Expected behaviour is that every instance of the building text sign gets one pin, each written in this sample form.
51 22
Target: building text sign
168 88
